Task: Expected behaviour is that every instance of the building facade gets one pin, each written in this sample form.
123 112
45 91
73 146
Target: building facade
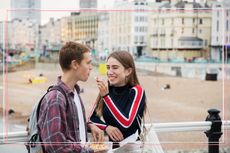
1 35
128 27
22 35
26 10
103 32
180 30
220 45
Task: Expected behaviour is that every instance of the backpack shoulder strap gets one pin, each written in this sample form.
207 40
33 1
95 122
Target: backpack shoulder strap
53 87
56 87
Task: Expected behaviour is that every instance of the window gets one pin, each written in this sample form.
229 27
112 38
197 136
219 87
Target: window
200 31
217 26
193 20
193 30
182 20
136 39
163 21
140 29
227 25
141 39
201 21
155 43
162 42
193 43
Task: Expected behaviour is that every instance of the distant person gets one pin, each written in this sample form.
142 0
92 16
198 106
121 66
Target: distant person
121 101
62 126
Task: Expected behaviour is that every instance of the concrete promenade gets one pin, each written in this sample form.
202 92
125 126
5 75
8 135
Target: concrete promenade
187 70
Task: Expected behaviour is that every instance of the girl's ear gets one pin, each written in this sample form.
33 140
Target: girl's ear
128 71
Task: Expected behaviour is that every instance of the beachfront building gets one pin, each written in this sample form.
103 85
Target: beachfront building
22 35
84 27
103 34
51 35
66 29
128 27
26 10
180 30
1 36
79 27
220 45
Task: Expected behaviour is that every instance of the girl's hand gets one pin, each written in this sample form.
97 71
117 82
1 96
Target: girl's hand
102 86
114 133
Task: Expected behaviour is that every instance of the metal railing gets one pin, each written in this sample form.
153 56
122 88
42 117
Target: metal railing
212 127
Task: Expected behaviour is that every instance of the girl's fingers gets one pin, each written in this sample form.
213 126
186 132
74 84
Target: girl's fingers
119 135
94 137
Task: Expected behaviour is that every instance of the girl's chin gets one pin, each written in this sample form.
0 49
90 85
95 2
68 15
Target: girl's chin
112 82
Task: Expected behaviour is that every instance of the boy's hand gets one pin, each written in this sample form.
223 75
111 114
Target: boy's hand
98 134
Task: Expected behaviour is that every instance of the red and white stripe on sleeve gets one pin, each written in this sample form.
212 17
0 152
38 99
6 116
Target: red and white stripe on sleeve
126 121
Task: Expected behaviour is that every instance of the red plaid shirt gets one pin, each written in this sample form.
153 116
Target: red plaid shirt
58 122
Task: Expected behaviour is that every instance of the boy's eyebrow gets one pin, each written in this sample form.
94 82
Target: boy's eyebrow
89 61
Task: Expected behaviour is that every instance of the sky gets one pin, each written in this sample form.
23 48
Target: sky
56 5
53 5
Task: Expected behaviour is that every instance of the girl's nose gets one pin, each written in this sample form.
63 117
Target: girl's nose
109 71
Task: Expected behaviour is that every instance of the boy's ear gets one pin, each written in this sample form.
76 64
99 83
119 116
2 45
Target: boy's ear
74 64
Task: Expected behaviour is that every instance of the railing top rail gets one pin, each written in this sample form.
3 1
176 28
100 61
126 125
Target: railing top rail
158 127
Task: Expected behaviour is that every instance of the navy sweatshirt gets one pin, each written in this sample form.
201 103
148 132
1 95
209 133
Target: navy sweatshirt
122 106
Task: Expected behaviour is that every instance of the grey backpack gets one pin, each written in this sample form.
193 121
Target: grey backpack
34 144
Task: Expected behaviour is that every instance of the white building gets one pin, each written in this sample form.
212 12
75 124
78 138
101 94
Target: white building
26 10
51 34
220 31
103 32
1 35
128 27
22 35
180 30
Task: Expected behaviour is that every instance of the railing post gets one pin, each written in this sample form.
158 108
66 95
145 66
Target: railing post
214 133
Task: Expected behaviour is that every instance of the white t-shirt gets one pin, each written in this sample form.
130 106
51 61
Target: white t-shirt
80 117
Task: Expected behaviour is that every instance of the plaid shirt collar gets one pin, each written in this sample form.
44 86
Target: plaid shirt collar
66 88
